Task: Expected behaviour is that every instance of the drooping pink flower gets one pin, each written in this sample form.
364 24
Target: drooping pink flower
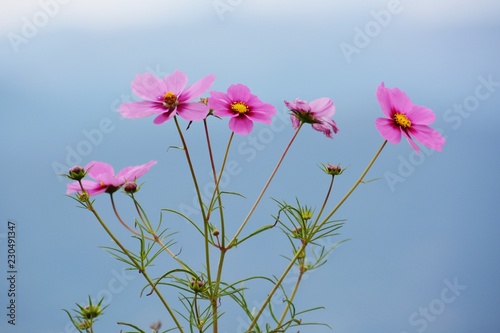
404 117
105 178
242 106
167 97
317 113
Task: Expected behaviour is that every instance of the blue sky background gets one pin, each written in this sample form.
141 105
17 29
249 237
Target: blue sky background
435 226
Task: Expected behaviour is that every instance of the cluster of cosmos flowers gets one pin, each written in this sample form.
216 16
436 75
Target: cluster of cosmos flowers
167 97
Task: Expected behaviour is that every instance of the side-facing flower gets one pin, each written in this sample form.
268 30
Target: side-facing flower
242 106
317 113
407 118
167 97
105 178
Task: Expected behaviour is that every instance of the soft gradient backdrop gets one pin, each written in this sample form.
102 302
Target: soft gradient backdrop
429 222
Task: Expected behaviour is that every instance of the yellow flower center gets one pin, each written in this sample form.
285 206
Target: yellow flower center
170 100
239 107
102 184
401 120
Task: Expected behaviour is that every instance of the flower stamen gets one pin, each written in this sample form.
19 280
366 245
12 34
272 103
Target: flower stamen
401 120
170 100
239 107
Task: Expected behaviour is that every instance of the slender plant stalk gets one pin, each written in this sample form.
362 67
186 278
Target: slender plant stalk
360 179
155 237
275 288
134 261
200 201
215 194
313 226
235 237
292 296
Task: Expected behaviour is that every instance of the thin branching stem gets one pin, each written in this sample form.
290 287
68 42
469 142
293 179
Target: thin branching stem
360 179
235 237
313 226
276 287
292 296
132 259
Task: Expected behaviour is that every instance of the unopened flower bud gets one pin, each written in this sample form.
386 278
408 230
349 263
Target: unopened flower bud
333 170
306 213
83 196
76 173
297 232
216 233
302 255
85 325
197 285
131 187
91 311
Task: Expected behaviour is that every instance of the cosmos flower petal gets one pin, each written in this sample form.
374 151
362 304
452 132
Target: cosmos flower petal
421 115
175 82
295 121
412 143
165 116
148 86
140 109
98 170
323 107
197 88
193 111
131 173
323 128
298 105
388 130
239 93
241 125
428 136
91 187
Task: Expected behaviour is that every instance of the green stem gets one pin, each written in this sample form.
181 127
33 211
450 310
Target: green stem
234 240
200 201
134 261
360 179
205 225
292 296
275 288
323 206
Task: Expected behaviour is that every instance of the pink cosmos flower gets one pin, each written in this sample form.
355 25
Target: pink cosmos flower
106 180
317 113
407 118
167 97
242 106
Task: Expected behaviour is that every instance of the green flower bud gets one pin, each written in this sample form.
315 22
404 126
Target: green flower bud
333 170
197 285
76 173
91 311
